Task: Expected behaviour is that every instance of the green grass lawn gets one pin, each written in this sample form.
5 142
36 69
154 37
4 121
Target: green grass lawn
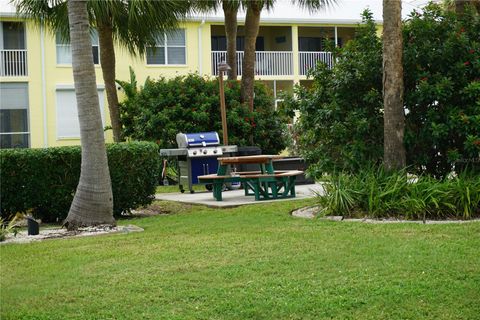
252 262
174 188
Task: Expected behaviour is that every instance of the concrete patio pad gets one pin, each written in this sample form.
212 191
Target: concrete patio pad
234 198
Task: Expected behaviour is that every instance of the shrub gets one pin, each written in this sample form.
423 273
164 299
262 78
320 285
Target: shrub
162 108
44 180
341 122
374 193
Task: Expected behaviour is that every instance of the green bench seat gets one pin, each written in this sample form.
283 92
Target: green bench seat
264 186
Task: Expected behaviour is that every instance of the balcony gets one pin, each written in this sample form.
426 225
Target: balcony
13 63
309 59
267 63
276 63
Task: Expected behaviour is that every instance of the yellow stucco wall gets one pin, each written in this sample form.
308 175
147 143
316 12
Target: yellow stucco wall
198 59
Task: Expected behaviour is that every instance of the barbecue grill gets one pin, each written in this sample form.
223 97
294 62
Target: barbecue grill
196 155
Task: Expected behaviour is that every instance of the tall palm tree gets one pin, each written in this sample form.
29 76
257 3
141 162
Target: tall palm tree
93 200
252 24
134 24
230 10
394 116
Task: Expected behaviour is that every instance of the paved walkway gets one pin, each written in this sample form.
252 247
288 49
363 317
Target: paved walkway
234 198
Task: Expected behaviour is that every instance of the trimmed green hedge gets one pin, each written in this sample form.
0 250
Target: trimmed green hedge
44 180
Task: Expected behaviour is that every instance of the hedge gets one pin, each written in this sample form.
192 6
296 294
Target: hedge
43 181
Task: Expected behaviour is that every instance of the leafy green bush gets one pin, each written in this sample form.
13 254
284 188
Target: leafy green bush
442 89
162 108
374 193
341 122
44 180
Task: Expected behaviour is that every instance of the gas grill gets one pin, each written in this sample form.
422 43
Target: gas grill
196 155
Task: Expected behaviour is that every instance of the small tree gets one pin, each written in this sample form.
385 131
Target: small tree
341 121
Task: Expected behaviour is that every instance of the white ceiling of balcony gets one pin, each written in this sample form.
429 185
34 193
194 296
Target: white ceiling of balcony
285 12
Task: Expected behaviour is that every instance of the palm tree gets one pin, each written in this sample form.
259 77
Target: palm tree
252 24
394 116
93 201
230 10
134 24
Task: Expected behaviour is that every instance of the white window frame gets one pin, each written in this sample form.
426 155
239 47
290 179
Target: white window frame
165 49
69 47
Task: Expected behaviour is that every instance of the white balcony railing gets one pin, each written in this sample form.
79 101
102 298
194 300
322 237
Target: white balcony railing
267 63
308 60
13 63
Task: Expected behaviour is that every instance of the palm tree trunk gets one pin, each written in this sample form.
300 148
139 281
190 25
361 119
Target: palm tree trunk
460 5
394 116
230 13
93 200
252 23
107 61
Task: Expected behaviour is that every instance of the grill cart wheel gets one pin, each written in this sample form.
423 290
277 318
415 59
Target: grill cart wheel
209 186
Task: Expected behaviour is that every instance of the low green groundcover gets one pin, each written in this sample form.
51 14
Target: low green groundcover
250 262
375 193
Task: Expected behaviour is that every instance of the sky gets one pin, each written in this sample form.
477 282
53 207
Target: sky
284 10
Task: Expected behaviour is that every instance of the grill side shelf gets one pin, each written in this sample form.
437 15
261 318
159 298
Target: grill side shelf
173 152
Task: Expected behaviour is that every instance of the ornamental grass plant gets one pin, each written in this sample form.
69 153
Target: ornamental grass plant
374 193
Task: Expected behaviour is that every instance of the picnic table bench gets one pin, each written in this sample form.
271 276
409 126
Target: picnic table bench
264 184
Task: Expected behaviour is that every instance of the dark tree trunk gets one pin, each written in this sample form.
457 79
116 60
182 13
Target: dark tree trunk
252 23
394 116
460 5
93 200
230 12
107 61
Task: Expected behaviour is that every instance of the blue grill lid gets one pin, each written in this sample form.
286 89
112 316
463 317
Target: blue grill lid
200 139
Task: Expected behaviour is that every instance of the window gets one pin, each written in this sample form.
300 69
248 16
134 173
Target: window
13 35
170 49
64 52
14 115
68 126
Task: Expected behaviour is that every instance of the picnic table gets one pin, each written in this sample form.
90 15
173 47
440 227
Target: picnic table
264 184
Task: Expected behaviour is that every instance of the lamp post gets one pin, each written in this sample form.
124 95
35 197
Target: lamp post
223 67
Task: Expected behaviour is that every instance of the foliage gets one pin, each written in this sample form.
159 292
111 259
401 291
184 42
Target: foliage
135 24
442 89
340 123
341 116
44 180
373 192
162 108
7 227
248 262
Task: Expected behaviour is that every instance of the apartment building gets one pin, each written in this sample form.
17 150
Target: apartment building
37 98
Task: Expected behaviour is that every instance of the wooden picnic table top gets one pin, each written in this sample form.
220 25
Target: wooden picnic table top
264 158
